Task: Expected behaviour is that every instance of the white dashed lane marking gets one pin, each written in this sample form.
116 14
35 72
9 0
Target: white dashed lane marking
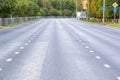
86 47
98 57
21 47
0 69
9 60
106 66
17 52
118 78
91 51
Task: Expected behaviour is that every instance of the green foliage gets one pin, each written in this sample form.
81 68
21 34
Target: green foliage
46 12
79 5
26 7
7 6
92 12
99 11
67 12
54 12
56 4
95 9
38 8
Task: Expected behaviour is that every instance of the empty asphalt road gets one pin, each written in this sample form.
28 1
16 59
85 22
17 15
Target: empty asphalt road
60 49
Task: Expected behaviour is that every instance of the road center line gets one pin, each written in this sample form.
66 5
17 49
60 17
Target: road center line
0 69
98 57
106 66
9 60
86 47
91 51
16 52
21 47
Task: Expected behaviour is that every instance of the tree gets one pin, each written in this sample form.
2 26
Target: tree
92 12
67 12
99 11
7 8
23 8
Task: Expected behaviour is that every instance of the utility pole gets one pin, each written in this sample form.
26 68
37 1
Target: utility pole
103 11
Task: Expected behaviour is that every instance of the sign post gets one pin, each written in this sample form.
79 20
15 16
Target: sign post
115 5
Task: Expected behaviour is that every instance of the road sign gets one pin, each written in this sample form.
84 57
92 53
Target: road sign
104 8
114 10
115 5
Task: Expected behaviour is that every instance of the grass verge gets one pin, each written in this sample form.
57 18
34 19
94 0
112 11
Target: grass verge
14 24
109 24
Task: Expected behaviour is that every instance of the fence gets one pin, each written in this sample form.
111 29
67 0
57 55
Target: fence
7 21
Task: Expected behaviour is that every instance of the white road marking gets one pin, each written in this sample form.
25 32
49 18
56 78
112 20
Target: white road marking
21 47
98 57
106 65
118 78
91 51
17 52
86 47
0 69
9 60
26 43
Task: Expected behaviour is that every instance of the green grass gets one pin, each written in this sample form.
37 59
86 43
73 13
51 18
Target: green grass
109 24
14 24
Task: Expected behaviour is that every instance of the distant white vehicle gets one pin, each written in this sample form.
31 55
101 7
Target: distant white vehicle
81 14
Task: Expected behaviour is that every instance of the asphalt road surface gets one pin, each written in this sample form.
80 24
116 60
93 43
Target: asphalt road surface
60 49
